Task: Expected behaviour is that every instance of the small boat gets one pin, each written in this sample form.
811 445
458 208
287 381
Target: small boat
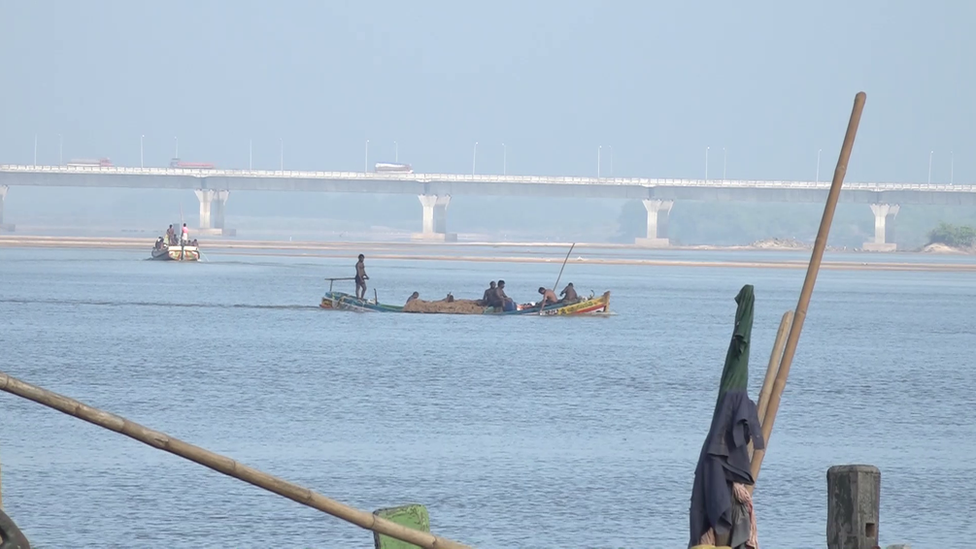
176 253
340 301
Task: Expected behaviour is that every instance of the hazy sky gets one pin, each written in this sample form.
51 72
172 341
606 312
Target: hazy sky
771 81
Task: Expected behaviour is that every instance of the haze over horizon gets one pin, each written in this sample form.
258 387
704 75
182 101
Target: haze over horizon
764 86
658 82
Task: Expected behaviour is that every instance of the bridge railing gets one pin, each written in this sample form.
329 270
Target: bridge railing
481 179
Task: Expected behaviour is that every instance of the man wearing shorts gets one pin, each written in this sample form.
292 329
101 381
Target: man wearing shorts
361 278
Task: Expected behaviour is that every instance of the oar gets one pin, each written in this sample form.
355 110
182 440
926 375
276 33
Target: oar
556 285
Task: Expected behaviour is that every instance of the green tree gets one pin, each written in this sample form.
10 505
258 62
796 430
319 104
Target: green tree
957 236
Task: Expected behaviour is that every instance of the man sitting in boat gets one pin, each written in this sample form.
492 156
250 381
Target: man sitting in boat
503 301
548 296
413 296
569 294
486 298
159 244
194 242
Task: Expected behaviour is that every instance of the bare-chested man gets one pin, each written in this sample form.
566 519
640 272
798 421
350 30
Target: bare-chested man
569 294
488 297
361 278
548 296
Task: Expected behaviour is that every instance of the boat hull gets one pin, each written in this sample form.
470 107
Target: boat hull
176 253
340 301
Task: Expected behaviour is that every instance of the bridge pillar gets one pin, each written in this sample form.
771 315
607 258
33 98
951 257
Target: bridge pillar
205 196
3 198
435 219
658 212
218 207
884 228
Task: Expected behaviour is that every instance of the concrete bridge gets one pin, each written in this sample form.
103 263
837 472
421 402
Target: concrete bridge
213 187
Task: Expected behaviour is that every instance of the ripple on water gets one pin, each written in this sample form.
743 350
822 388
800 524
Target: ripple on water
516 432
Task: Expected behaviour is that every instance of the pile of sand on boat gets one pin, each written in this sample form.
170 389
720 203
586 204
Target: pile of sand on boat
446 305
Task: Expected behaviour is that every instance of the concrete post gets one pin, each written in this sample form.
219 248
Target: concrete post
658 214
205 196
428 202
884 228
218 208
853 506
440 214
434 226
3 197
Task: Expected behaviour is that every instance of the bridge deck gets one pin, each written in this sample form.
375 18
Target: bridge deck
489 185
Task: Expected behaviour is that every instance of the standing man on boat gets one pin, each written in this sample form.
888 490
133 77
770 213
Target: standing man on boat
361 277
185 236
170 236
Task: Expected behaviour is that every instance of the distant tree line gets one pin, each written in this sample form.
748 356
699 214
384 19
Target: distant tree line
957 236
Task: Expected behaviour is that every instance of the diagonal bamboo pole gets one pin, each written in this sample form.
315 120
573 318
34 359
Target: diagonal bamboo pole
225 465
811 279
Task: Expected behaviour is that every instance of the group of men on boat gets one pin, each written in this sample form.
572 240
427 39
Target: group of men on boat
494 296
172 240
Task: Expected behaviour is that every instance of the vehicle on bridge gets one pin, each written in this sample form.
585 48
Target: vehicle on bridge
177 163
390 167
90 163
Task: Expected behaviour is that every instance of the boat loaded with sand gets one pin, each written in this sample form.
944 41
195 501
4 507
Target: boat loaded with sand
340 301
569 306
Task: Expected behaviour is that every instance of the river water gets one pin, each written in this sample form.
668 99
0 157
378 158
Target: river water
516 432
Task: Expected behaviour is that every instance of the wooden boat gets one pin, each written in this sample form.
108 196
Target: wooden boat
340 301
176 253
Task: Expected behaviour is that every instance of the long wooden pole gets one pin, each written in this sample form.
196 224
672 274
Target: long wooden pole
558 278
811 279
225 465
775 359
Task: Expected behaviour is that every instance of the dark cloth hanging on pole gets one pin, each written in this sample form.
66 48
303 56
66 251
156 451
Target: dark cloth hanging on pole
724 457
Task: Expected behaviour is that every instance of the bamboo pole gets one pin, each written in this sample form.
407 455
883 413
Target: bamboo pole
811 279
775 359
225 465
542 304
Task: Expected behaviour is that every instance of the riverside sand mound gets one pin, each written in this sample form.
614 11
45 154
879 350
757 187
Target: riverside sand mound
463 306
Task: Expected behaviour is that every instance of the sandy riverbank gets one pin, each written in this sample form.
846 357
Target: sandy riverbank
493 252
